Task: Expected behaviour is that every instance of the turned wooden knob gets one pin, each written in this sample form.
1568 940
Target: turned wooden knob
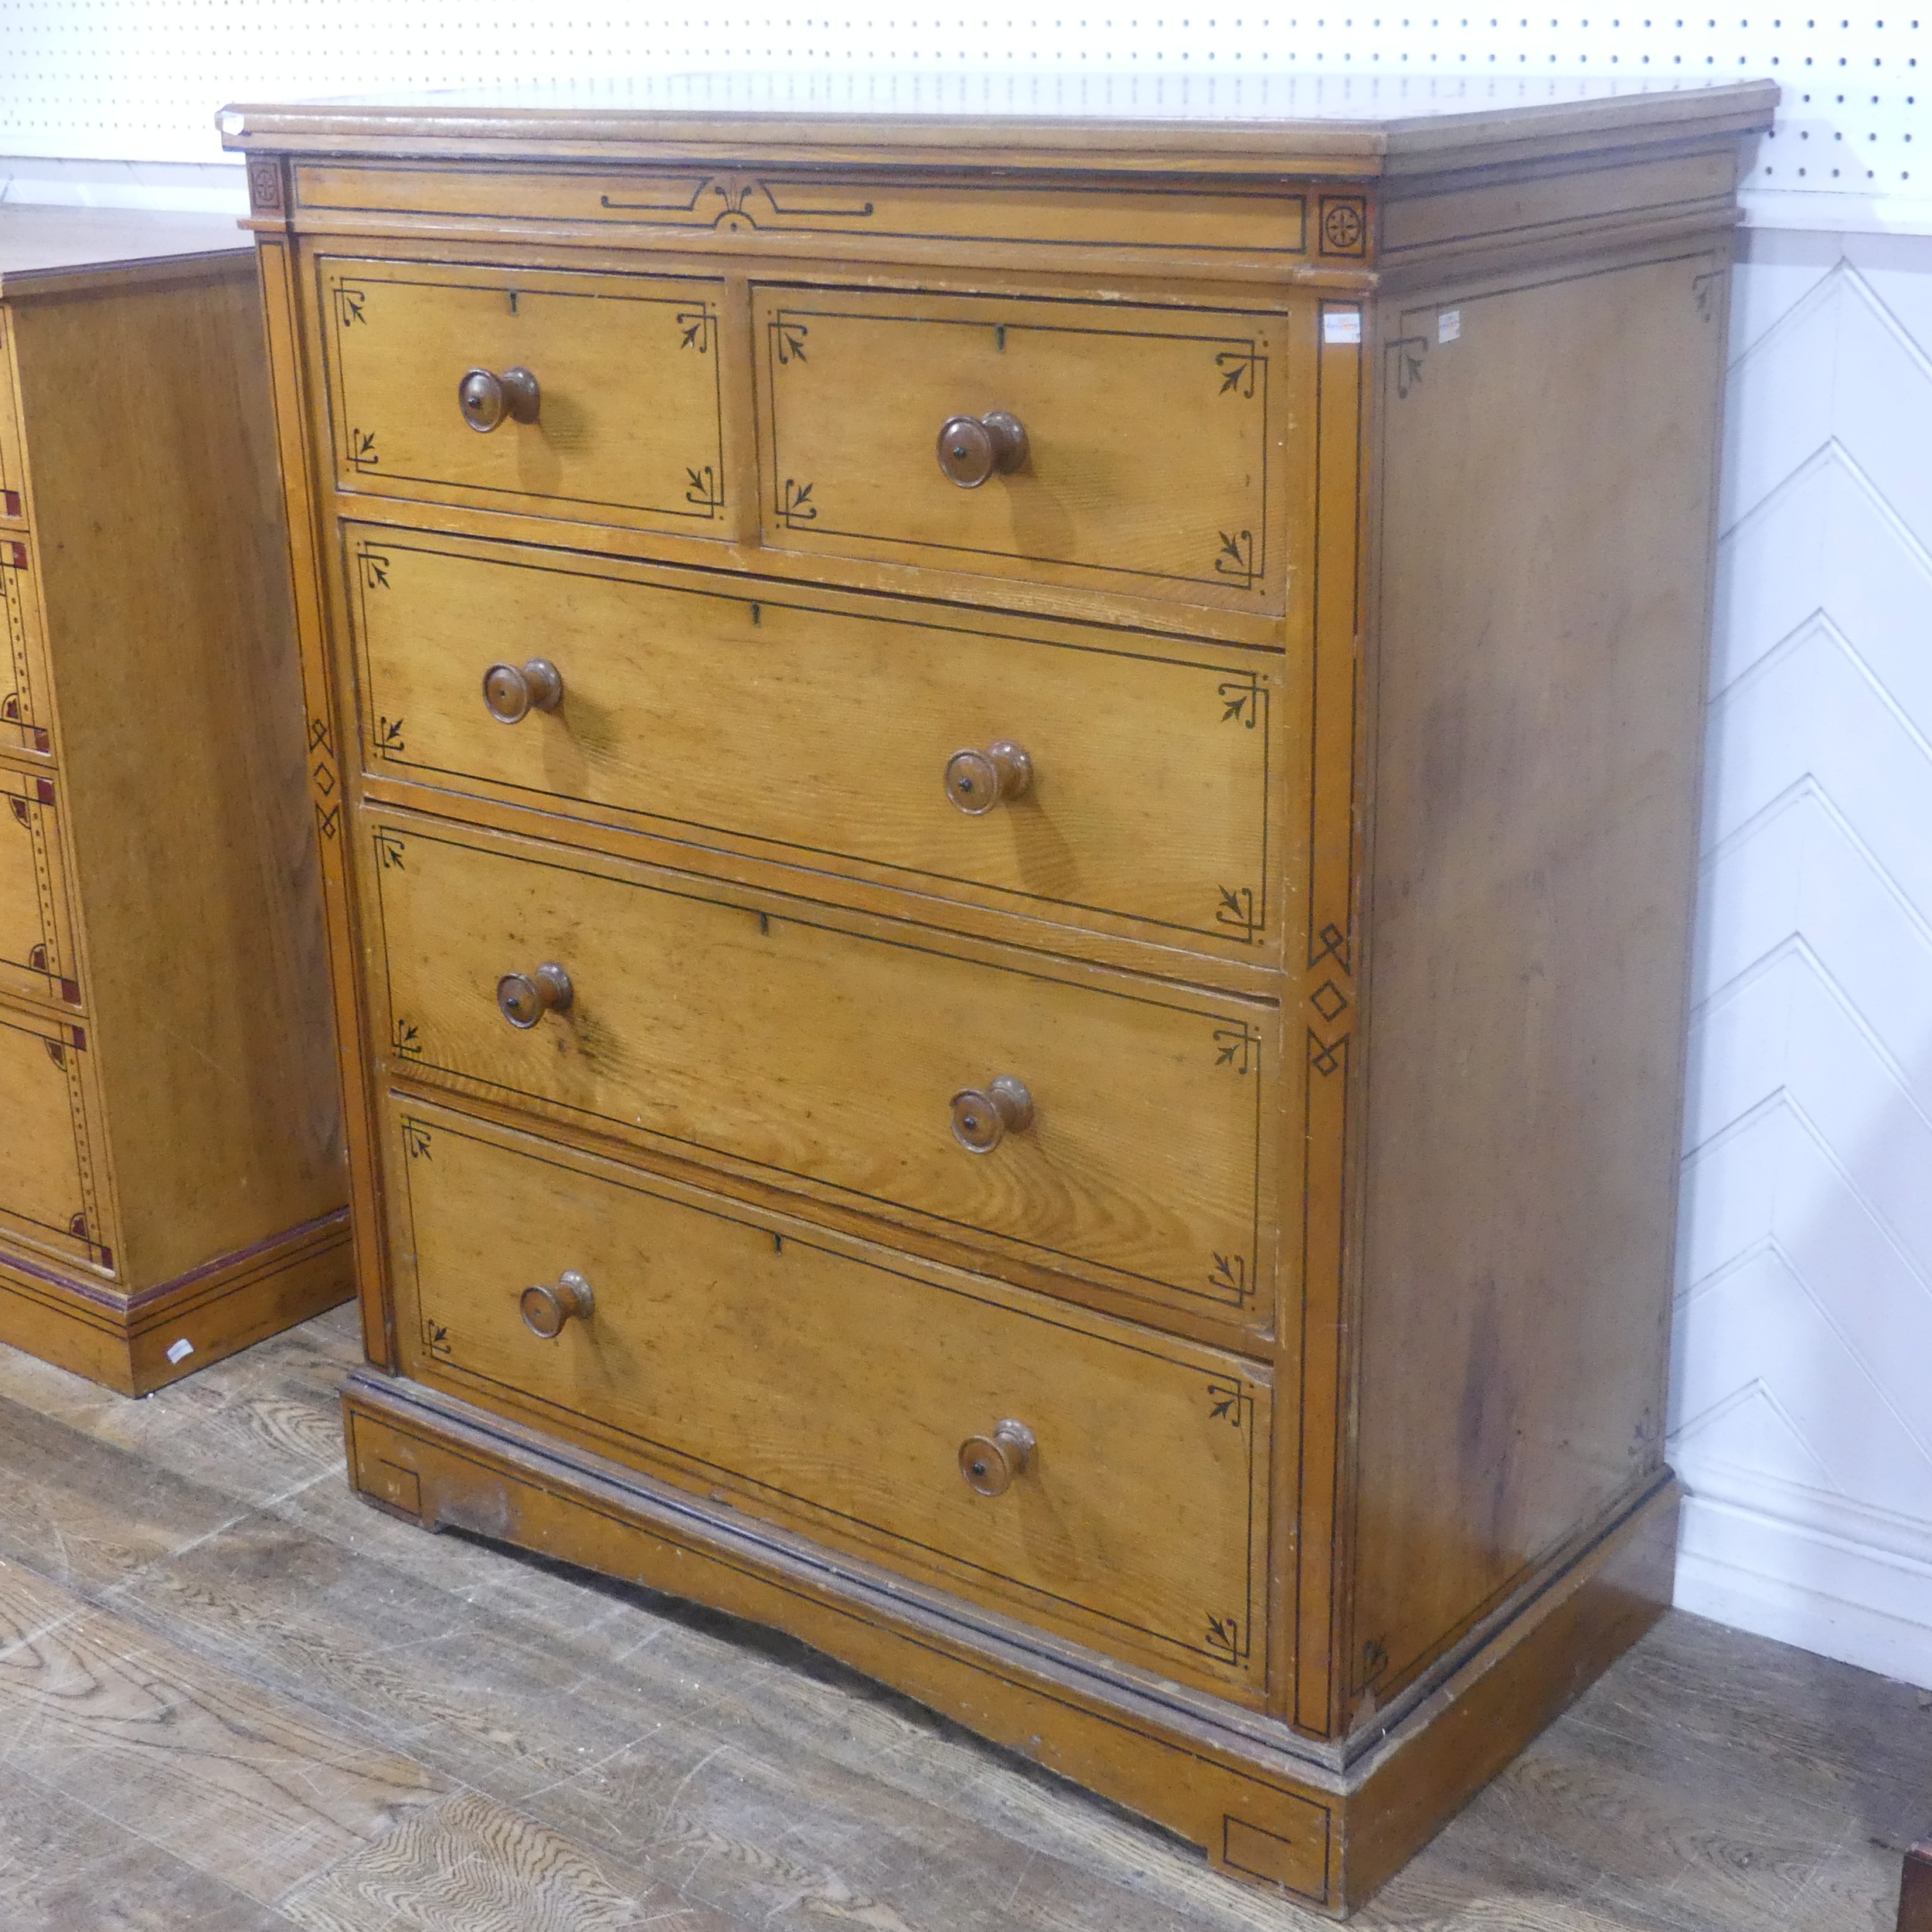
983 1116
972 447
990 1463
523 998
513 691
977 781
485 398
545 1310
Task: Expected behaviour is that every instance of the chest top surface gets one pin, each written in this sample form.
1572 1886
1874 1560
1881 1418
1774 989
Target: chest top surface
1129 120
53 250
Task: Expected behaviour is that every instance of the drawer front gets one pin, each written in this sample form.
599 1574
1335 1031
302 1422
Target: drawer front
48 1197
36 949
628 425
722 1023
24 715
1153 462
834 1384
827 731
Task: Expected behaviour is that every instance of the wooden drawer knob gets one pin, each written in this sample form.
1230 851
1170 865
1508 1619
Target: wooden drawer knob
990 1463
972 448
546 1310
982 1118
977 781
513 691
523 998
485 398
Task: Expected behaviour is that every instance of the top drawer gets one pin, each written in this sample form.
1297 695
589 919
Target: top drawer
1150 464
623 423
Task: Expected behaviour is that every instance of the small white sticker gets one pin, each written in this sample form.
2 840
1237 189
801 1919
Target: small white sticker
1449 325
1341 326
180 1350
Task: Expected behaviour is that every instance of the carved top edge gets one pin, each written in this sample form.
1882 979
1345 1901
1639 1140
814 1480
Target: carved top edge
1317 123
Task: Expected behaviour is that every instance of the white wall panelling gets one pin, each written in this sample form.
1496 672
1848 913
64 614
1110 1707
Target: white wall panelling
1801 1405
1801 1410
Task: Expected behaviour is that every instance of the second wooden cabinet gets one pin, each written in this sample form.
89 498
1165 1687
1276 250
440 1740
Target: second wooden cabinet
171 1182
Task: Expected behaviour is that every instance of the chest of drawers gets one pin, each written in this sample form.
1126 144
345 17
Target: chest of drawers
1008 787
170 1174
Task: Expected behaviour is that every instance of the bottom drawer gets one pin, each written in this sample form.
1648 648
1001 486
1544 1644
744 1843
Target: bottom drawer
849 1391
49 1192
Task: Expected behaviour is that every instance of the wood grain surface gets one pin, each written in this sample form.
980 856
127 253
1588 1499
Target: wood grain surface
1139 1521
1155 455
627 371
557 1750
767 1032
825 732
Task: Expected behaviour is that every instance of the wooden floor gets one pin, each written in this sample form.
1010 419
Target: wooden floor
233 1698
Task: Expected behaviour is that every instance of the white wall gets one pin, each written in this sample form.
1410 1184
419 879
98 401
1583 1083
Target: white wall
1802 1402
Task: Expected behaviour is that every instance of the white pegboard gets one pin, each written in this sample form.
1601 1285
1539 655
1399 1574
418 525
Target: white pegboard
139 80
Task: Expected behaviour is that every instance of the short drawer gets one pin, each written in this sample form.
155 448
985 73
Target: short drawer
848 1390
1151 462
49 1188
36 948
827 727
825 1053
623 424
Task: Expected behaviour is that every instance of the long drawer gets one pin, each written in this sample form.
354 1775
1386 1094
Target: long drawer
704 1341
620 421
1115 447
50 1192
36 944
862 1061
846 728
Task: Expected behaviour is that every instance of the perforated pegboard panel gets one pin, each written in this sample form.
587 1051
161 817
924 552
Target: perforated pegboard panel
141 79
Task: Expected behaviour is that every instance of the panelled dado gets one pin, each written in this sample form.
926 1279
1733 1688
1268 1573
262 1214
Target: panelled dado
822 728
1150 1538
859 761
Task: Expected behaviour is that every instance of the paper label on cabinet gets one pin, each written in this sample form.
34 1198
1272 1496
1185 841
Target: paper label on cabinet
1341 326
1449 325
180 1350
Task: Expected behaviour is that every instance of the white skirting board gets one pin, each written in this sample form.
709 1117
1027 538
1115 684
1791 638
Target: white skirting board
1810 1570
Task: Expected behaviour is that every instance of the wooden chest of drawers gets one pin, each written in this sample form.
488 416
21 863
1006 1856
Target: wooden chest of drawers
170 1174
1008 799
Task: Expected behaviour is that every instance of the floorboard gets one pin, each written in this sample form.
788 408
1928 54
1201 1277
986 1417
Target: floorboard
232 1698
